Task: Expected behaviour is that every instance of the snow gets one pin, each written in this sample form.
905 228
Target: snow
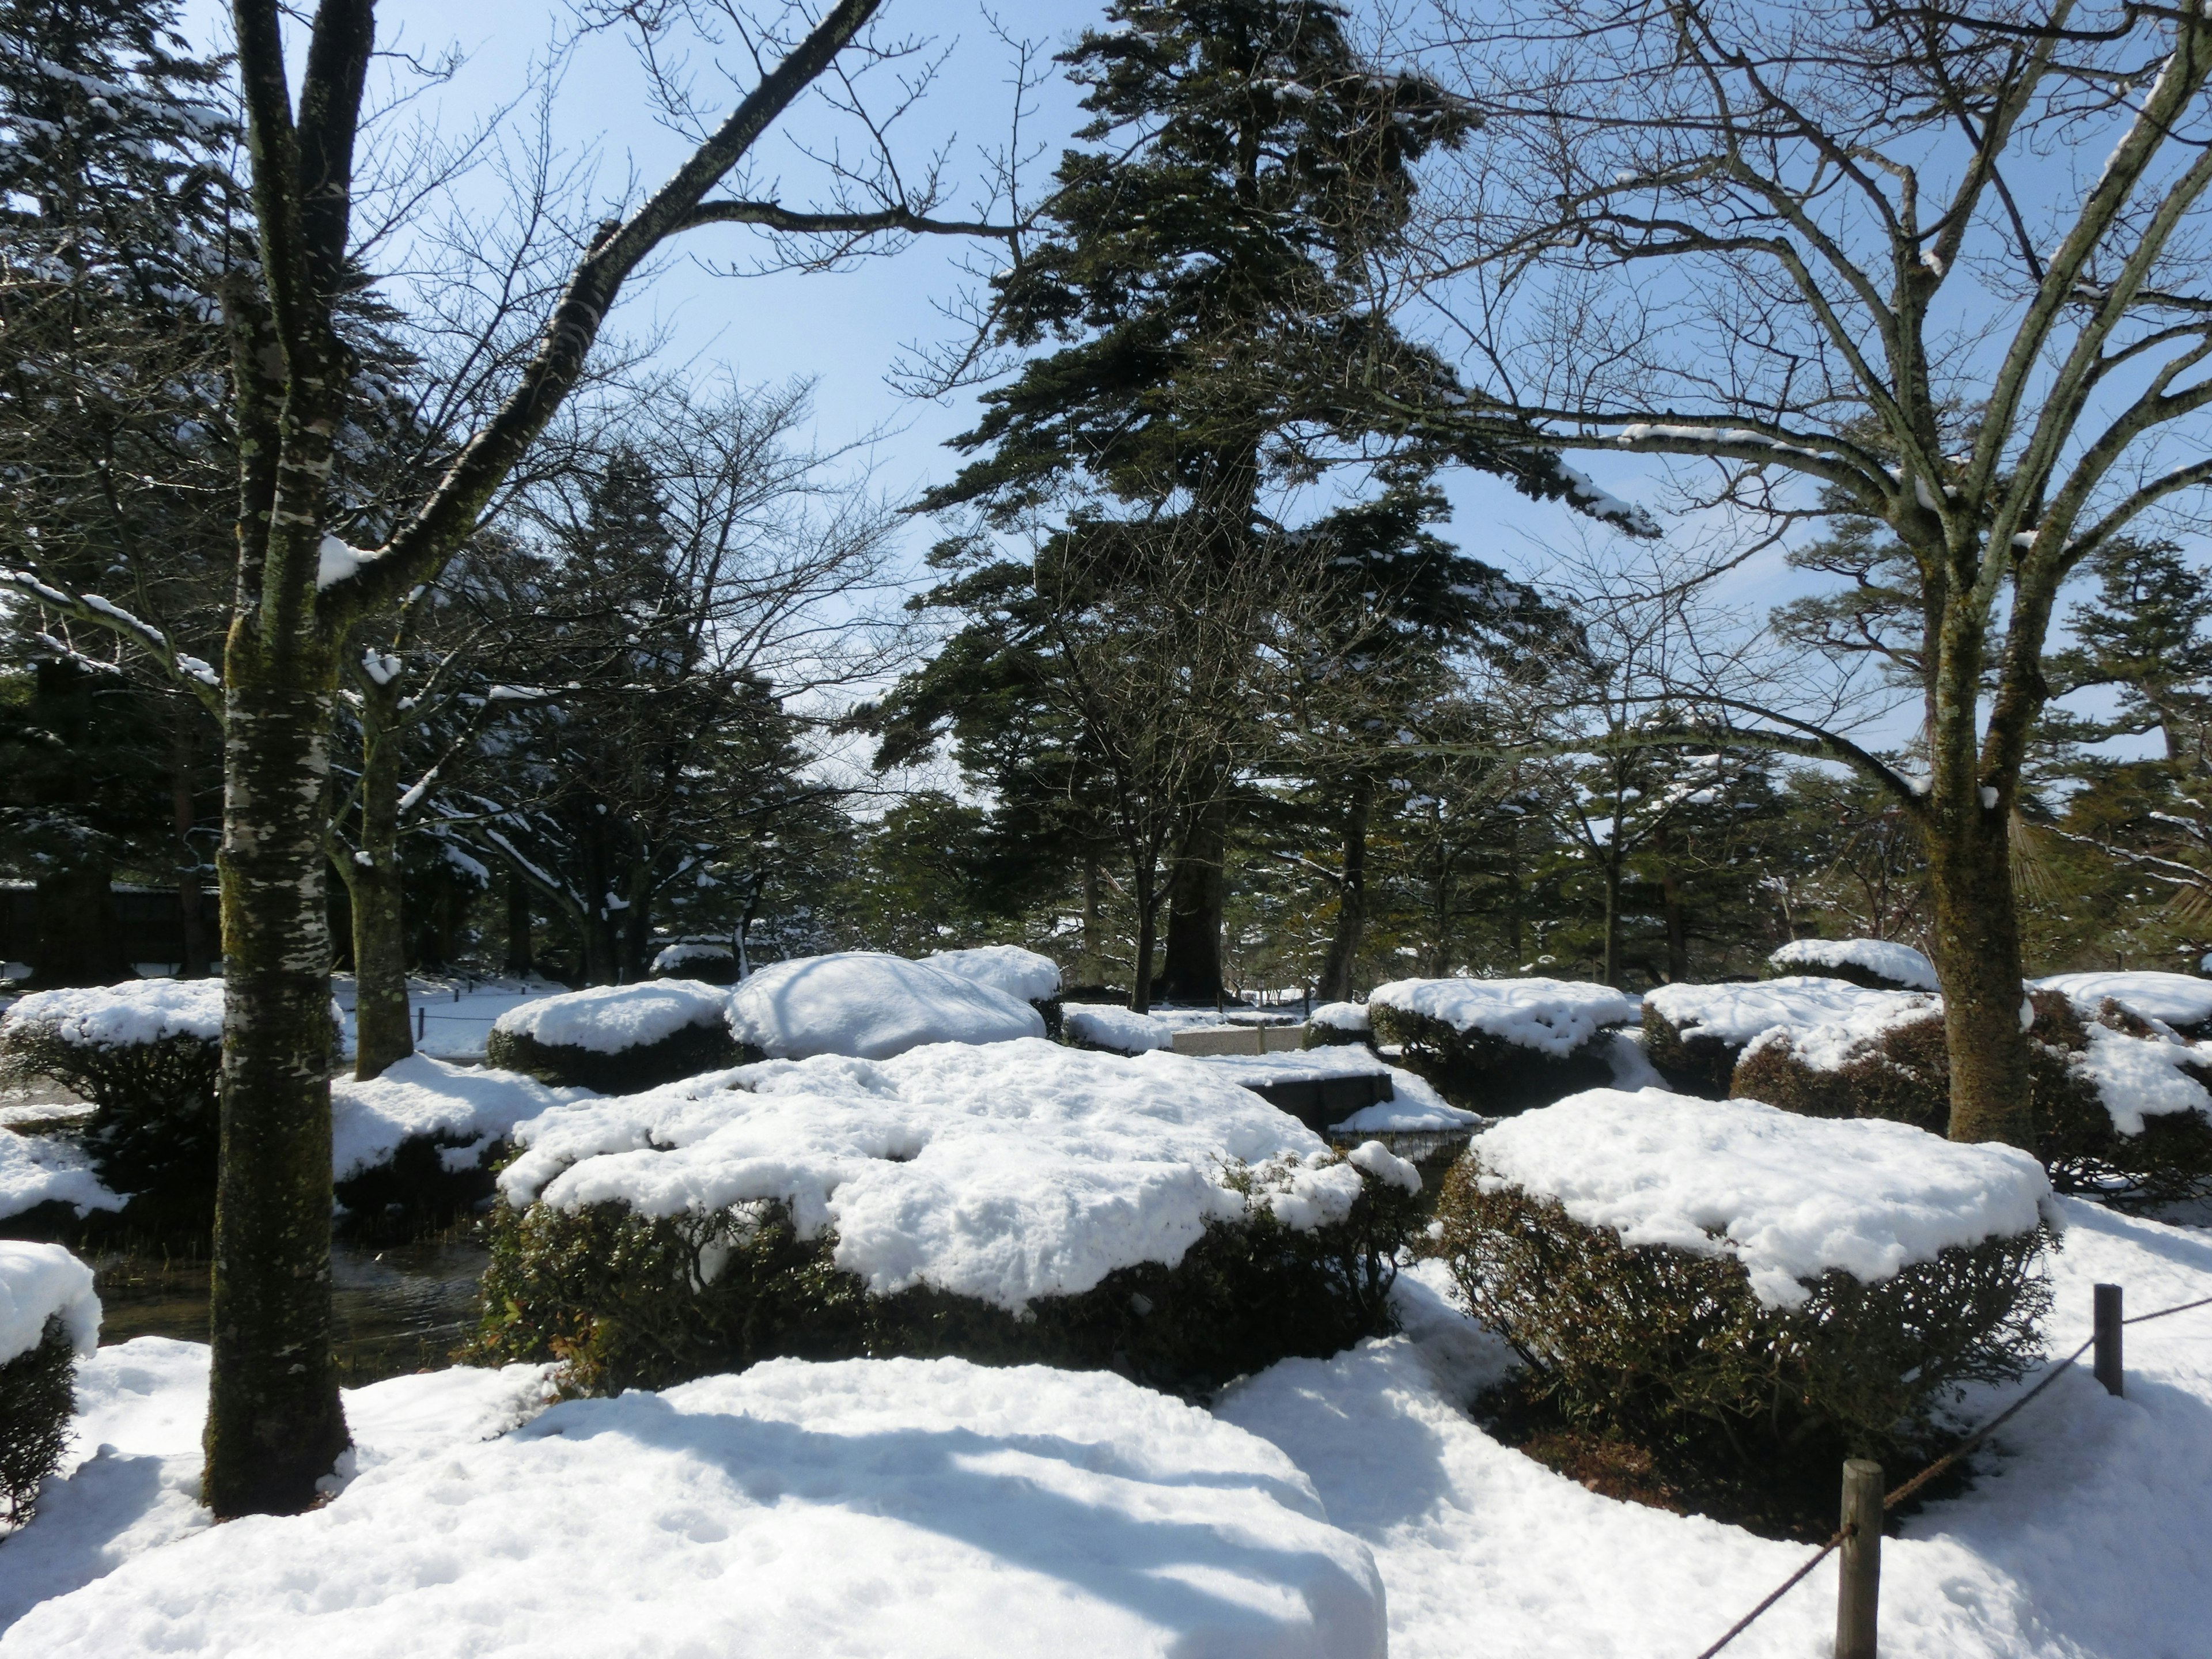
1415 1108
1554 1017
335 560
1735 1014
136 1010
1341 1015
38 1169
1120 1029
1900 963
1790 1197
37 1281
867 1507
864 1004
2176 999
1297 1064
2137 1078
1830 1045
673 956
1025 975
453 1019
421 1096
605 1019
1004 1171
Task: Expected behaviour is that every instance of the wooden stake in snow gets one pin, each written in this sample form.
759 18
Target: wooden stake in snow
2107 1322
1859 1587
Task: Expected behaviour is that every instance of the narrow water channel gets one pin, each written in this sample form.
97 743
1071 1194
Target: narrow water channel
400 1309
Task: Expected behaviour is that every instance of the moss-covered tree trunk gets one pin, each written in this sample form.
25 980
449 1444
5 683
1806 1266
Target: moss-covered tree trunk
1334 984
1978 959
382 1035
274 1425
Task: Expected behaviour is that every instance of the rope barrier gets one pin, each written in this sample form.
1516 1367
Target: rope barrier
1963 1449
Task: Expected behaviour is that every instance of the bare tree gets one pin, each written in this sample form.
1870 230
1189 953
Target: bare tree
1840 255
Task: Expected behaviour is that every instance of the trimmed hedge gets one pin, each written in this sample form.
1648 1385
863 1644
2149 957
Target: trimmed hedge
1483 1074
625 1301
37 1399
683 1053
1692 1062
1905 1075
1655 1342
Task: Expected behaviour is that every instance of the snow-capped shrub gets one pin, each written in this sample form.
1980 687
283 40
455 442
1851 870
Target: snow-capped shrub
1754 1281
48 1316
2120 1105
617 1038
1026 976
1877 964
709 964
1501 1045
1333 1023
2179 1001
1695 1034
1113 1030
871 1006
47 1185
1011 1202
147 1053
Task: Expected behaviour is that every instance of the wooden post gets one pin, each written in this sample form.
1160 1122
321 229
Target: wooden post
1858 1588
2108 1362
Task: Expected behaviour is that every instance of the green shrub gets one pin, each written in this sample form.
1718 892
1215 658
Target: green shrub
153 1129
1905 1075
37 1399
1333 1037
626 1301
1694 1062
1479 1072
683 1053
1666 1346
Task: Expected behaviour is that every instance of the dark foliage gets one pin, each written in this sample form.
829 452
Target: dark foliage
37 1399
682 1054
154 1131
1483 1074
1692 1062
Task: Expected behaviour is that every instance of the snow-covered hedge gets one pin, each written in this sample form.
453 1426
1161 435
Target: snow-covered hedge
871 1006
614 1038
1501 1045
1010 1201
1026 976
710 965
2120 1103
1667 1265
1695 1034
2180 1000
1337 1023
1878 964
414 1148
1113 1030
46 1182
147 1054
48 1316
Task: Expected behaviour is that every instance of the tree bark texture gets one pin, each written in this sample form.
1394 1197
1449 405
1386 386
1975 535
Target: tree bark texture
1335 983
1977 957
382 1031
1190 967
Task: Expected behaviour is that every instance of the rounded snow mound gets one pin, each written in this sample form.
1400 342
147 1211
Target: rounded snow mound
1899 964
1344 1016
37 1169
37 1281
470 1106
1736 1014
1025 975
117 1016
927 1508
1790 1197
2177 1000
1553 1017
1117 1031
868 1005
671 957
1005 1172
605 1019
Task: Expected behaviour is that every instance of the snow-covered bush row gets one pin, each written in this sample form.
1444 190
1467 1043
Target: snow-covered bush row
1695 1034
1026 976
1878 964
1499 1045
615 1037
2120 1105
1338 1023
1112 1031
932 1509
48 1317
48 1178
867 1006
2179 1001
415 1146
1668 1265
1006 1201
711 964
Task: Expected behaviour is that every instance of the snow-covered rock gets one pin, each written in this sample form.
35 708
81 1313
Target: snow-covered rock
37 1169
2180 1000
1002 1171
37 1281
1116 1031
871 1006
1025 975
115 1016
1553 1017
1736 1014
1900 965
1790 1197
871 1507
605 1019
470 1105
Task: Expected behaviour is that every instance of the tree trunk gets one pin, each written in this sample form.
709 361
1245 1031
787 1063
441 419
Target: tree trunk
1678 931
1978 962
274 1425
1334 984
1612 973
79 936
184 815
518 924
1190 971
1148 908
381 1031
